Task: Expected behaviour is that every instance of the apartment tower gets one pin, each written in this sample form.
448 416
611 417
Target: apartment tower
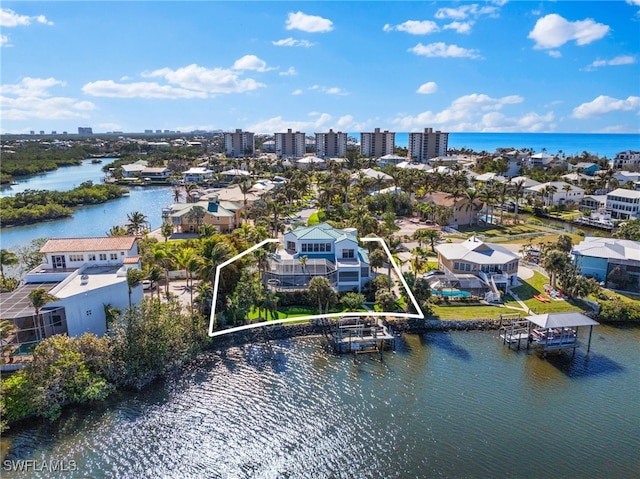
331 144
239 144
428 144
378 143
290 144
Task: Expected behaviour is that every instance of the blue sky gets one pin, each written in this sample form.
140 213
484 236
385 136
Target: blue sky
498 66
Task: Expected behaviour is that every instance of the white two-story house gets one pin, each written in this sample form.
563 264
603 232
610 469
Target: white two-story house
83 275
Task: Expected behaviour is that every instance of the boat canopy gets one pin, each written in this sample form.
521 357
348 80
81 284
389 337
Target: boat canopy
561 320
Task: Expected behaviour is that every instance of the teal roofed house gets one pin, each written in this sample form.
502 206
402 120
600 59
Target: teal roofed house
330 252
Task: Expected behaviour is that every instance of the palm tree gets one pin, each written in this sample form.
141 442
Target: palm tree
517 189
177 194
502 190
551 190
320 290
134 278
7 258
196 215
117 230
213 254
166 230
137 223
165 259
470 196
154 274
244 189
38 298
554 262
303 264
566 188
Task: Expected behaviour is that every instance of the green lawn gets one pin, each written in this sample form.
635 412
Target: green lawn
316 218
534 286
463 311
293 312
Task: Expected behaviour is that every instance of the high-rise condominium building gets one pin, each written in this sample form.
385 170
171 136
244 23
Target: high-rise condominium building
331 144
426 145
239 143
290 144
85 131
378 143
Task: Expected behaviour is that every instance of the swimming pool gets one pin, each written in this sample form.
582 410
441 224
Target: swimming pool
451 293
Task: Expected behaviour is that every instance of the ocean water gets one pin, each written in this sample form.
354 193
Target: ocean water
601 144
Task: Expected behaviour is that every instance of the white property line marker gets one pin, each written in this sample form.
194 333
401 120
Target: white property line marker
216 283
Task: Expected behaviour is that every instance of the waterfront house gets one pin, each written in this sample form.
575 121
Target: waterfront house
160 173
598 257
197 174
84 275
593 202
329 252
225 216
623 204
491 262
562 193
133 170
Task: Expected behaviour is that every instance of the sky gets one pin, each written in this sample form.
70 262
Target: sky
459 66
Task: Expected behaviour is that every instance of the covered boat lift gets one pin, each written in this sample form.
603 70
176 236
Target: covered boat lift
556 328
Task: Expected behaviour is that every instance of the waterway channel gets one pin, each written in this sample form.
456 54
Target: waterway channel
94 220
444 404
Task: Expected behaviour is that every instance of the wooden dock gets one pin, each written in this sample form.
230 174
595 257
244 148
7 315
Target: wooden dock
361 336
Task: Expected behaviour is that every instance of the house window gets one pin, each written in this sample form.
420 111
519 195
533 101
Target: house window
348 254
114 256
364 272
304 247
291 245
76 257
348 276
92 257
103 256
328 247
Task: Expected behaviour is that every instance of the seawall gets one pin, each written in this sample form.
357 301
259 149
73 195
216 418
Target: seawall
317 328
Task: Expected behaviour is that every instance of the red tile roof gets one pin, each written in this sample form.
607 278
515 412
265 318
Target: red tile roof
131 260
77 245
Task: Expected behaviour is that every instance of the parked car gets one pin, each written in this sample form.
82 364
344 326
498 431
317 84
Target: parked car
433 272
147 284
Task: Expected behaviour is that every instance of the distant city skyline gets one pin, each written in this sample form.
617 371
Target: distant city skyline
267 67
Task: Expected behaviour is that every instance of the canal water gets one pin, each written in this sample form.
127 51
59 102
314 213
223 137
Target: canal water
94 220
454 405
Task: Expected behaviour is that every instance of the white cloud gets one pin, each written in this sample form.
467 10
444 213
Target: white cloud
291 71
605 104
308 23
459 27
297 92
319 122
474 113
552 31
111 89
30 98
619 60
251 62
414 27
291 42
206 80
329 90
427 88
440 49
4 41
634 2
9 18
555 53
469 10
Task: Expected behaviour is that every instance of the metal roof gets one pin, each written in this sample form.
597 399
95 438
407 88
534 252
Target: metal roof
561 320
16 304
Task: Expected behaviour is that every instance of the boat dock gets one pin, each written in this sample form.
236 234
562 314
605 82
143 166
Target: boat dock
547 332
361 336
